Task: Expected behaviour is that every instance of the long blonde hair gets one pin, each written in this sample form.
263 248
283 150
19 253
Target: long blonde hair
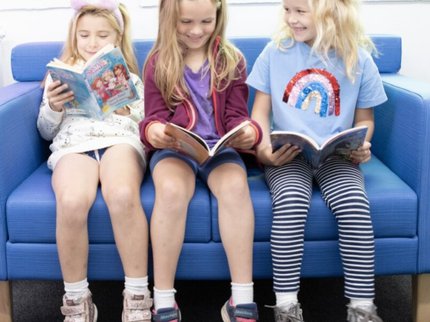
338 28
222 55
70 52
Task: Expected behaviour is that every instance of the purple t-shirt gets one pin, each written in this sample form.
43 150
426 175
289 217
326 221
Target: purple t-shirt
198 85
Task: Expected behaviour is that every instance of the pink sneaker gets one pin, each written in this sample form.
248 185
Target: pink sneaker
170 314
239 313
79 310
136 308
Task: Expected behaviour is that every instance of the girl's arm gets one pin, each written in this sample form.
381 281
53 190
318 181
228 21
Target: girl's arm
364 116
261 114
236 112
157 113
51 112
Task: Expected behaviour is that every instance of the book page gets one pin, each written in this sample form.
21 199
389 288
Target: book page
191 143
56 63
228 137
343 143
304 142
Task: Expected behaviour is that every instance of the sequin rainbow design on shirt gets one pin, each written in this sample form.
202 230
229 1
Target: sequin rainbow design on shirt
314 85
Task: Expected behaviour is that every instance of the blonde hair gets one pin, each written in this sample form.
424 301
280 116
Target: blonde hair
222 55
338 28
70 52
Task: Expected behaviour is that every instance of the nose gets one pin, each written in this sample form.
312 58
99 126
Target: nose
291 18
93 42
196 30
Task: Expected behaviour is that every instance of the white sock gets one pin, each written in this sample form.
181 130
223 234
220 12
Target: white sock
76 290
164 298
137 285
365 304
242 293
286 299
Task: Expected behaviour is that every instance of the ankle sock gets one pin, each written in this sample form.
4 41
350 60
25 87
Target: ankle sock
286 299
76 290
242 293
137 285
365 304
164 298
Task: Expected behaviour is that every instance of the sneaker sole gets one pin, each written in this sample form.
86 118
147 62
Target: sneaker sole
96 313
224 314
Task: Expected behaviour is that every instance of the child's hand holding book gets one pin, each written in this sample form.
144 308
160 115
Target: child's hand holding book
244 139
58 95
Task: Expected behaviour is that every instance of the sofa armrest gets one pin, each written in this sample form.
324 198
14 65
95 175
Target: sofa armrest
402 142
22 149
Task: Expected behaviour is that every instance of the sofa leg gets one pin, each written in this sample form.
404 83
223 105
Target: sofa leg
421 297
5 302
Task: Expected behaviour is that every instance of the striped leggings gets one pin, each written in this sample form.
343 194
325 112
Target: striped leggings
342 188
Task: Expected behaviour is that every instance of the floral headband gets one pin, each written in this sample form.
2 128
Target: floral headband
111 5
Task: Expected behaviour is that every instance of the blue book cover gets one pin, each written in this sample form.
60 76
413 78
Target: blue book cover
102 86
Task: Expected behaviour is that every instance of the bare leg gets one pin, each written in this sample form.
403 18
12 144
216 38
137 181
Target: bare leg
121 177
421 297
229 184
5 302
75 180
174 186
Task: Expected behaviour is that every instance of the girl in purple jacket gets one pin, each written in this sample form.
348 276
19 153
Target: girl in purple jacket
195 78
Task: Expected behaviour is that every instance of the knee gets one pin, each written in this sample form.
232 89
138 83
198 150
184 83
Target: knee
72 209
173 193
233 190
121 198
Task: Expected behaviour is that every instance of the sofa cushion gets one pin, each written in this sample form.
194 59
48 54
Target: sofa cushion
393 206
30 212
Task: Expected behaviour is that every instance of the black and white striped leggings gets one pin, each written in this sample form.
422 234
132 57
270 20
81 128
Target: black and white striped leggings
342 188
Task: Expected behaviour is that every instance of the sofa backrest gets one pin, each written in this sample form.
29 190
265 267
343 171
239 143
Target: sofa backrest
29 60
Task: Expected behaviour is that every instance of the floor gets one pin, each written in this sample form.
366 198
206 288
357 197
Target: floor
200 301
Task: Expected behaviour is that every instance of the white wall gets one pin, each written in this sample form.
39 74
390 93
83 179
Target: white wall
44 20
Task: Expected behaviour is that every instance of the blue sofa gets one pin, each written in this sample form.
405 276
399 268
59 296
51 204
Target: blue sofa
397 182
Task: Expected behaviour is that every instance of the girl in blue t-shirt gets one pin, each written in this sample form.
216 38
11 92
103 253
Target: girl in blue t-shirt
317 77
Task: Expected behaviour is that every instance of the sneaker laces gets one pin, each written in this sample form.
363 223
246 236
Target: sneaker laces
290 313
137 307
359 314
77 310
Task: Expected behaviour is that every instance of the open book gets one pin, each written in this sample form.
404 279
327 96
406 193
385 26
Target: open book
340 144
194 146
100 87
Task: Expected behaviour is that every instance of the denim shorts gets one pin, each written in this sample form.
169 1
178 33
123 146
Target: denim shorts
96 154
226 155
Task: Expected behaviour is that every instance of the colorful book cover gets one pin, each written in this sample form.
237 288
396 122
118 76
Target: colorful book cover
102 86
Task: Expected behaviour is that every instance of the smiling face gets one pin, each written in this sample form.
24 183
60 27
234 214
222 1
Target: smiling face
92 34
298 16
196 23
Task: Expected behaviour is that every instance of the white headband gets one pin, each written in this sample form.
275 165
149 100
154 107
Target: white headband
111 5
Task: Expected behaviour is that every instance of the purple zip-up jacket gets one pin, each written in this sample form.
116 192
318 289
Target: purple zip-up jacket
230 106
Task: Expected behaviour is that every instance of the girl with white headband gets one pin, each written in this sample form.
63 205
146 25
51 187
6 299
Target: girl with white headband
87 152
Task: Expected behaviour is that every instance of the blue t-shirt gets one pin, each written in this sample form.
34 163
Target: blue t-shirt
312 96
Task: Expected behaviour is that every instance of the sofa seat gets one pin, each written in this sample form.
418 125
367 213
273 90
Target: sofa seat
396 219
31 212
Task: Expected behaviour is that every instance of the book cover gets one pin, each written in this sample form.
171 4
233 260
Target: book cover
340 144
100 87
195 146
